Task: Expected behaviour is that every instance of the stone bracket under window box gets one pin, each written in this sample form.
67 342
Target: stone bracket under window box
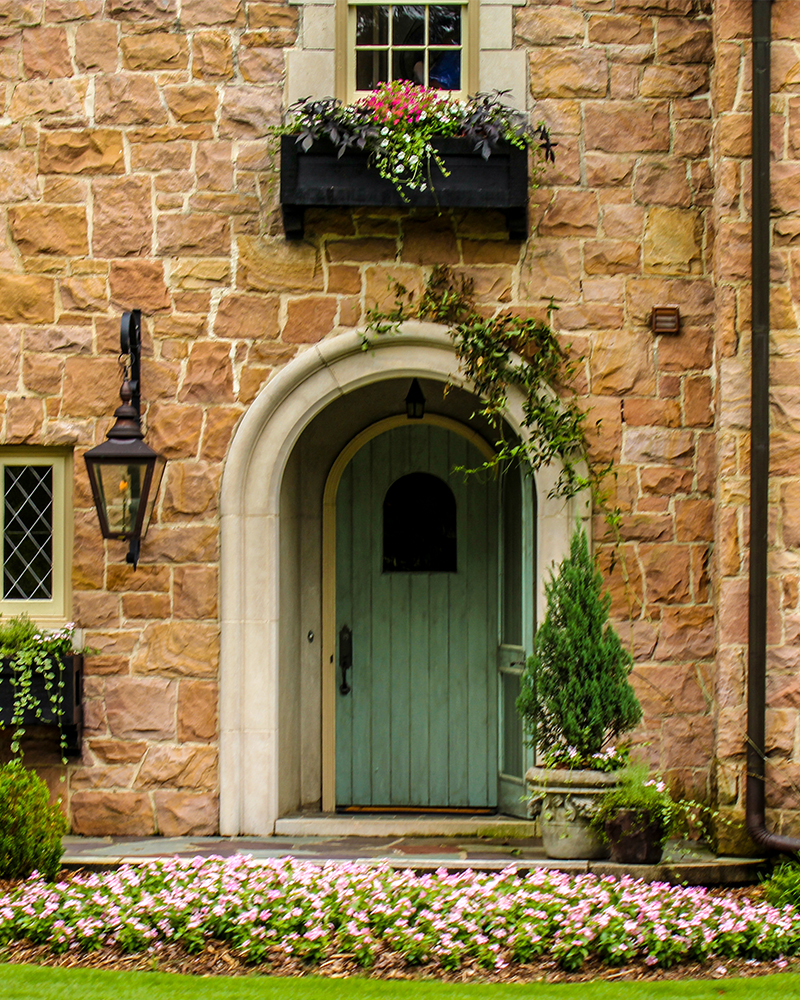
71 716
319 178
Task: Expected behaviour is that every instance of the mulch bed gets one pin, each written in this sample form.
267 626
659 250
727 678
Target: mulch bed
219 959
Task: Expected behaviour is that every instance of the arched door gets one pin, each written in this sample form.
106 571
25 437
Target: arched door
417 624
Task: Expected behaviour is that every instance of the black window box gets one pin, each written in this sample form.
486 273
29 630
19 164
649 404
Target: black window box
319 178
71 716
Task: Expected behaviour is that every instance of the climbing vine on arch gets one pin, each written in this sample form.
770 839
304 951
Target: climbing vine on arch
505 352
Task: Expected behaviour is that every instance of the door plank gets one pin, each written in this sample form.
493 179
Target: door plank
479 623
400 721
361 673
344 615
459 454
418 458
381 707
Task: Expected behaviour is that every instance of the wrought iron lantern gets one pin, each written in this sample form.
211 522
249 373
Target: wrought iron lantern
124 472
415 401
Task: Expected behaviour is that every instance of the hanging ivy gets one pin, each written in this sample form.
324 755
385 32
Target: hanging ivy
505 352
35 658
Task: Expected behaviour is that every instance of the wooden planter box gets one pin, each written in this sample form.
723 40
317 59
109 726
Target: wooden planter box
320 178
71 718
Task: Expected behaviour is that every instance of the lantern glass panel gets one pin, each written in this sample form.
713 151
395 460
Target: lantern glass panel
120 486
157 471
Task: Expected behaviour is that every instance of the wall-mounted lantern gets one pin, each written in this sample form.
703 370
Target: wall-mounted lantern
124 472
415 401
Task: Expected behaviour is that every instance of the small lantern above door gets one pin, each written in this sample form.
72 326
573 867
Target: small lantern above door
415 401
124 472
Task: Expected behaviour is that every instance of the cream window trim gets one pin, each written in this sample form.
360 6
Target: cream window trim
57 610
346 37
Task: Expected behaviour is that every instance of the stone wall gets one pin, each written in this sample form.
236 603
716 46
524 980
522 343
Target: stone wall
135 172
624 225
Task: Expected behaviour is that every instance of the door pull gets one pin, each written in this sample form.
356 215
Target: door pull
345 657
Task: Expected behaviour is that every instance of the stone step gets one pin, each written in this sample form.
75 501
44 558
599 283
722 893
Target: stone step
405 825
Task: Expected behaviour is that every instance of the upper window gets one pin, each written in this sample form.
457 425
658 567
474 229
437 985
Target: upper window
419 526
33 528
419 43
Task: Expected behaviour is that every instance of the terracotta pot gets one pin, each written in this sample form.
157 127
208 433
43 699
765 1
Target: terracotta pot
565 802
635 839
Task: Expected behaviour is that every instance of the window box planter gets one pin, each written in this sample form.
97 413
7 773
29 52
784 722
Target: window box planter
71 717
319 178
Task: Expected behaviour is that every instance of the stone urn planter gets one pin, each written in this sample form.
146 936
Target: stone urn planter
634 838
565 802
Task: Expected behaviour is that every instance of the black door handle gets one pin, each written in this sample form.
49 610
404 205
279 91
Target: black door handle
345 656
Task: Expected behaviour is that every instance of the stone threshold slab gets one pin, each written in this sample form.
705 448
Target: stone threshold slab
404 825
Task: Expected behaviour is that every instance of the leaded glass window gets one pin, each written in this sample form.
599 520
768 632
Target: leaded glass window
35 532
27 532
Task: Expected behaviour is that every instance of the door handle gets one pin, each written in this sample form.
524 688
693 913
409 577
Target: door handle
345 656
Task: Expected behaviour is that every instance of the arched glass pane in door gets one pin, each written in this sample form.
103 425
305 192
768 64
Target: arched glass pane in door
419 526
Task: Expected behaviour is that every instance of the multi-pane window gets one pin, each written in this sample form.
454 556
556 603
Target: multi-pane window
418 43
33 532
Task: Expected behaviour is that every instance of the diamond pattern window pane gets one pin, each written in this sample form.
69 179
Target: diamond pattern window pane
28 533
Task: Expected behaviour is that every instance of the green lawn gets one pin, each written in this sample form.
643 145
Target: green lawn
30 982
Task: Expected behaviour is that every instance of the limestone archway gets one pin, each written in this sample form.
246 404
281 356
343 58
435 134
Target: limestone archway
253 621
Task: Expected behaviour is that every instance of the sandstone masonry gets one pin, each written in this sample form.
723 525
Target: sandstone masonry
136 170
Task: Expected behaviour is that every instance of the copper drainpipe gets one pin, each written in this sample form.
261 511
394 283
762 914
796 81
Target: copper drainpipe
755 806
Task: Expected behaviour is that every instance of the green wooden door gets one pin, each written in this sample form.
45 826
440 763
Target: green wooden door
418 726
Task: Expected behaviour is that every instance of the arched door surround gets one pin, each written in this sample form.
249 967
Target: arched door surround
252 619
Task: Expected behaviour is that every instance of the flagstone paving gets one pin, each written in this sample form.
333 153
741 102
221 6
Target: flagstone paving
693 865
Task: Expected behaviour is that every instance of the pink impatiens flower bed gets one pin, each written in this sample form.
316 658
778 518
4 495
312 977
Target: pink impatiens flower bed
268 911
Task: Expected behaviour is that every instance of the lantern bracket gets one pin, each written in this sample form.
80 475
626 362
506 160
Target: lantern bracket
125 473
130 343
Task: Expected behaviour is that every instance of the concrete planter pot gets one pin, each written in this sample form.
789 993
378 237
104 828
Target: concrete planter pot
70 719
565 802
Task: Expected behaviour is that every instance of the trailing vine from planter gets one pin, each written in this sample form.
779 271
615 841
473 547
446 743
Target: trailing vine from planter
34 655
398 123
505 352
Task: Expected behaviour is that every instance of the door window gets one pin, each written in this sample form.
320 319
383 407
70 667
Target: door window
419 526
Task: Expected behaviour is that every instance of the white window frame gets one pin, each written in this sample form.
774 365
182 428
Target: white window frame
55 611
469 52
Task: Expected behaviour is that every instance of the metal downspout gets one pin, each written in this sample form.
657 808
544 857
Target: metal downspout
755 807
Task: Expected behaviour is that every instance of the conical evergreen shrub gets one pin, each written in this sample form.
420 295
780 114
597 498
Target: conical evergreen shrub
576 696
